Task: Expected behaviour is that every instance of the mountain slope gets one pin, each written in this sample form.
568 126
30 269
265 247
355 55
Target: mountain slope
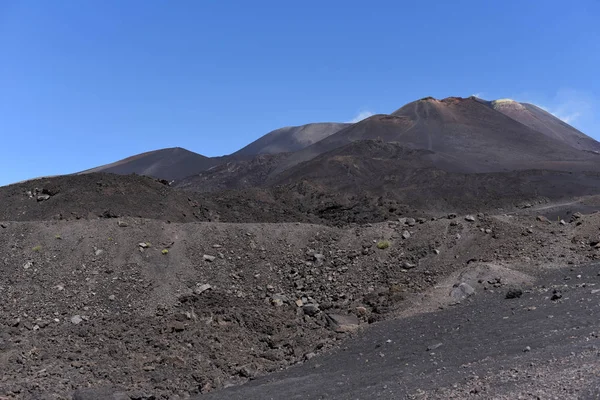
290 139
467 135
546 123
172 163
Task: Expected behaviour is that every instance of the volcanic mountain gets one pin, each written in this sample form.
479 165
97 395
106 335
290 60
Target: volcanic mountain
290 139
178 163
466 135
170 164
435 142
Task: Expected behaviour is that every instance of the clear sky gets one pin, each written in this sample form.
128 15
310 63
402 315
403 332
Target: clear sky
84 83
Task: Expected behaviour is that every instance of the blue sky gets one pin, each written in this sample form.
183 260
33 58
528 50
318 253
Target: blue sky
84 83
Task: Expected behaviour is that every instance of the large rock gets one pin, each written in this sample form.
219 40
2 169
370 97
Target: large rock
311 309
201 288
407 265
462 291
541 218
514 293
279 300
343 323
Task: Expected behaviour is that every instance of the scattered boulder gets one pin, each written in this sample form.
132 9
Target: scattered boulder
122 224
3 226
514 293
177 326
343 323
434 346
576 217
541 218
556 295
108 214
470 218
279 300
43 197
410 221
361 311
319 258
462 291
76 319
562 222
405 235
144 245
199 289
407 265
311 309
208 258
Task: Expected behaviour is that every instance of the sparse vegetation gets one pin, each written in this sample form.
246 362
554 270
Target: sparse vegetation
165 251
57 237
383 244
37 248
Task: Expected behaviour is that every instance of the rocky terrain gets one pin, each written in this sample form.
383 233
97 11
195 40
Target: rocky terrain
174 309
447 250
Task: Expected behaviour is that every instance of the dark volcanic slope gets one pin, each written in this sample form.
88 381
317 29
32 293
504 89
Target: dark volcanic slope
476 137
94 195
290 139
380 176
99 195
473 350
546 123
173 163
234 174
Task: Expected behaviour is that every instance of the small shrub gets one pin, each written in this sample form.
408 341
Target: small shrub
383 244
37 248
165 251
